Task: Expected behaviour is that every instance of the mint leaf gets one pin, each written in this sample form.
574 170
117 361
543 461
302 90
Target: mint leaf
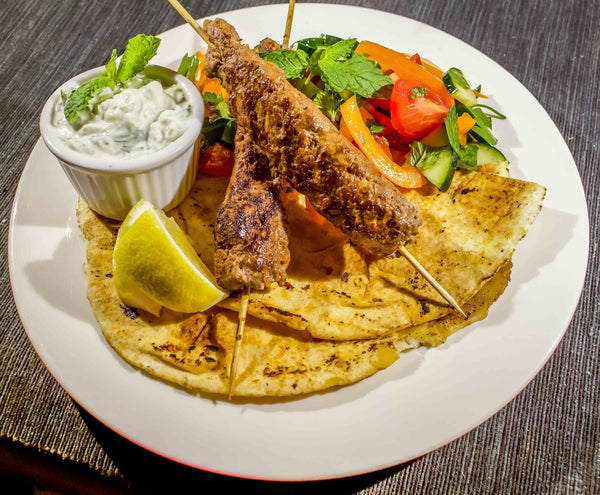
337 52
357 74
376 128
110 70
467 155
342 49
329 103
309 45
424 157
293 63
77 107
140 49
81 103
417 152
216 103
451 124
485 134
223 127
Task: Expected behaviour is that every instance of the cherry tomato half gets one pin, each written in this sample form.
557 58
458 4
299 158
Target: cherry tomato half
217 161
416 113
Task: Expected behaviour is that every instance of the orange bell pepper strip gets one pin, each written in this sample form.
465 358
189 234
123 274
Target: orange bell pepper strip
428 65
399 175
384 145
404 68
345 132
465 124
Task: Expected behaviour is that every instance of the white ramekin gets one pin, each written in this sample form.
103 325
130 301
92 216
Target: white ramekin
111 187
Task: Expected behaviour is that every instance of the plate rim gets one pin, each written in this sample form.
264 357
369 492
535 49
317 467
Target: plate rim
549 352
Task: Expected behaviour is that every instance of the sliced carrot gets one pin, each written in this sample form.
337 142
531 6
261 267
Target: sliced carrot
200 75
465 124
399 175
213 85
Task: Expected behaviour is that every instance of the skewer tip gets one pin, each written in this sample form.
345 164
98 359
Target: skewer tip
434 283
239 335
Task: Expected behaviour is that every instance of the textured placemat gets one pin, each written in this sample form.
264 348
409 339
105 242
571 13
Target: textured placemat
547 440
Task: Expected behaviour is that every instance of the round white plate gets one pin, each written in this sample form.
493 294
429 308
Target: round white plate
423 401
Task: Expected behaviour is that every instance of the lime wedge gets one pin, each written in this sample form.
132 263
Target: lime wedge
155 265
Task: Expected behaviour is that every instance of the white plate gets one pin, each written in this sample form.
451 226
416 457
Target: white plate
425 400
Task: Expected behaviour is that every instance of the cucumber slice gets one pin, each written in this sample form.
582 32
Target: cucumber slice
458 87
440 173
437 138
488 154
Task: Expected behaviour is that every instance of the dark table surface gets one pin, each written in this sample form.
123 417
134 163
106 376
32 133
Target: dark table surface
547 440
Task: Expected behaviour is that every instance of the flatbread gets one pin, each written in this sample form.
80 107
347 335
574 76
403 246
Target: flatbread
194 351
336 291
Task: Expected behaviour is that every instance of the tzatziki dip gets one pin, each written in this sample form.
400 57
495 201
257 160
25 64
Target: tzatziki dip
139 117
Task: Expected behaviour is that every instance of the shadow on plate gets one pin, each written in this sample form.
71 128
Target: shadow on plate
149 473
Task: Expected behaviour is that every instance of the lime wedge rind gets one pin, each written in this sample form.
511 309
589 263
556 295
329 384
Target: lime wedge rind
155 265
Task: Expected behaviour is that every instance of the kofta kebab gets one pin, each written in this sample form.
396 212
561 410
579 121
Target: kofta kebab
283 139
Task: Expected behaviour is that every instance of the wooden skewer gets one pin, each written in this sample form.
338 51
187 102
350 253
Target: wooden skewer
239 335
192 22
436 285
288 25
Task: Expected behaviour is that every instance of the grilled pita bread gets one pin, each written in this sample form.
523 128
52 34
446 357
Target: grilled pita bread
195 351
336 291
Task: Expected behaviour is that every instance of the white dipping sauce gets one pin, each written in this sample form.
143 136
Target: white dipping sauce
139 118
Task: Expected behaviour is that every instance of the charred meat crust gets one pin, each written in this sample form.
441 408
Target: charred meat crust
340 182
251 241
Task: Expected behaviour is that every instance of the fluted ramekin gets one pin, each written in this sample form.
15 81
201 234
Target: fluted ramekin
111 187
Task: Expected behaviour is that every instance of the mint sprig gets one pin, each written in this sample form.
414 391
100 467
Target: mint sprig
467 155
80 104
293 63
140 49
328 70
221 125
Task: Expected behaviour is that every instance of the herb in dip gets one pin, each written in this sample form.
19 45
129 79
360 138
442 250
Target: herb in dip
81 103
124 112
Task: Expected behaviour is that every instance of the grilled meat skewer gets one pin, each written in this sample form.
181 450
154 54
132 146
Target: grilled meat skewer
310 153
251 241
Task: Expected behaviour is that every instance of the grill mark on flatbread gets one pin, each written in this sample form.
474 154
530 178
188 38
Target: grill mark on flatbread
194 351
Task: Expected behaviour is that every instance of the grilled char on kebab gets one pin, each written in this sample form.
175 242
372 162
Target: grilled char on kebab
251 239
251 242
307 149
